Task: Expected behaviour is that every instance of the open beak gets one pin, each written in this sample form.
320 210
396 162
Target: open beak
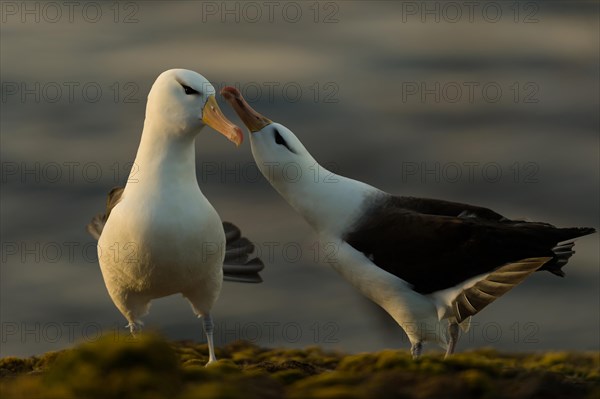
252 119
213 117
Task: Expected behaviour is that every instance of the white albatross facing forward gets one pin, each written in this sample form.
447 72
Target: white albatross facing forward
159 235
426 262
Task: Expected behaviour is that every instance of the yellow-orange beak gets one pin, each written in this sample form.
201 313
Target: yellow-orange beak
213 117
252 119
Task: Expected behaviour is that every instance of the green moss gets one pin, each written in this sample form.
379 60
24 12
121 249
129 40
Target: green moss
330 392
390 359
15 365
428 365
244 356
363 362
581 365
289 376
223 366
118 367
329 384
477 382
150 367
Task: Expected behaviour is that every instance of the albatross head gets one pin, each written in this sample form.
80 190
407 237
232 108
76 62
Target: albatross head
279 154
184 101
329 202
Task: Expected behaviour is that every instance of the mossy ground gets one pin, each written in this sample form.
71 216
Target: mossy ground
150 367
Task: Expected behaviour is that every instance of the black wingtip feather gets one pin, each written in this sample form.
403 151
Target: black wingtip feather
571 233
232 232
587 230
238 267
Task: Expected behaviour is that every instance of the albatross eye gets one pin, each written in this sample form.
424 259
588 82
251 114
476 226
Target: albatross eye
278 139
281 141
188 90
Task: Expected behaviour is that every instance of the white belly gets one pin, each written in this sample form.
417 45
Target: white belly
153 248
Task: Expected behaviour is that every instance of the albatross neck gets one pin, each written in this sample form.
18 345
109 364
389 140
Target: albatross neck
164 158
330 203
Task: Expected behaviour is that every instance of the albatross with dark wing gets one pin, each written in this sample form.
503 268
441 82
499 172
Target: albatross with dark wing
159 234
430 264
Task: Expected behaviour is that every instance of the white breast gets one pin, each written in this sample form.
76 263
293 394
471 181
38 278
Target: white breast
161 245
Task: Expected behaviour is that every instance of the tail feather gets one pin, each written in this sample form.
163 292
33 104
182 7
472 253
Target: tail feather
564 249
562 253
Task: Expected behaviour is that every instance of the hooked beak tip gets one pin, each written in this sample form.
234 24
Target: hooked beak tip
252 119
230 92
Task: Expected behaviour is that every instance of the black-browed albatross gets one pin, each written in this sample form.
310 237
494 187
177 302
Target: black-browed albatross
426 262
159 234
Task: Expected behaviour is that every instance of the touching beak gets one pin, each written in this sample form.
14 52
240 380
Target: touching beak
213 117
252 119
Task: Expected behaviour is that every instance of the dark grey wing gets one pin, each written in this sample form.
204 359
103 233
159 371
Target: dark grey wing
96 225
445 208
240 265
434 252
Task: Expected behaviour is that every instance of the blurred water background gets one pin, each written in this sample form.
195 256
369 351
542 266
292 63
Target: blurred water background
492 103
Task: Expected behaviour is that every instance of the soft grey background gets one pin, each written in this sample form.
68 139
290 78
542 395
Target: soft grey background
52 297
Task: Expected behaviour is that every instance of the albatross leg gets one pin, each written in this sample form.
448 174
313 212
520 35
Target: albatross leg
208 330
416 349
453 334
135 327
